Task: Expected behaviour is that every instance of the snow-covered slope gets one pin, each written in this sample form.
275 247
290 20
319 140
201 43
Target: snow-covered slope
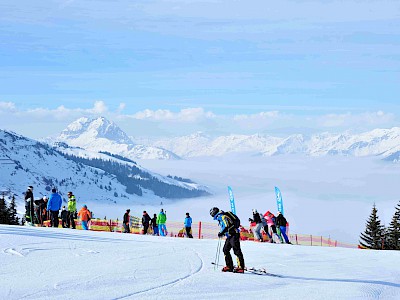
52 263
382 142
96 176
100 134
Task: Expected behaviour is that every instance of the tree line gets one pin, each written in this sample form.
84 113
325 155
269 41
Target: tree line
378 236
8 213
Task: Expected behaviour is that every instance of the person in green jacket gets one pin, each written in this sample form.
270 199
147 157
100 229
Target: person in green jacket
71 210
161 219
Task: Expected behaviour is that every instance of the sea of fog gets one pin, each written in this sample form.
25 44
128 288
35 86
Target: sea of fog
330 196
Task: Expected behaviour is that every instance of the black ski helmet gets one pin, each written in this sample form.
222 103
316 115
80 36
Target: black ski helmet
214 211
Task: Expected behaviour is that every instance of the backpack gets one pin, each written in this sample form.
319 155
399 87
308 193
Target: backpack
235 221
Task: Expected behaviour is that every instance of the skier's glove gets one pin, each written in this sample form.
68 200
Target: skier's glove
220 234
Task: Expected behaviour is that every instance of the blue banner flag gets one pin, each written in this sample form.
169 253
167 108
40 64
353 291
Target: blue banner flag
232 200
279 200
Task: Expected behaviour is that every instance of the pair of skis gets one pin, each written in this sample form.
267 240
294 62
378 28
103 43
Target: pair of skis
256 271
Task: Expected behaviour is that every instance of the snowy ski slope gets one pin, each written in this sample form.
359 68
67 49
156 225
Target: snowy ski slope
48 263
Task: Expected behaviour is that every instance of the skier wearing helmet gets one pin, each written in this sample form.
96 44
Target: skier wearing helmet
229 224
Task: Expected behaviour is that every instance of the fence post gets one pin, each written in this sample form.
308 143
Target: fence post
321 240
336 243
296 240
199 229
311 238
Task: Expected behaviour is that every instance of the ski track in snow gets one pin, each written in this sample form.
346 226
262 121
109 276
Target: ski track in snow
168 284
12 251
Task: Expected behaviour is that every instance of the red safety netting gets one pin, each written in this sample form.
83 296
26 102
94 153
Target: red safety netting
204 230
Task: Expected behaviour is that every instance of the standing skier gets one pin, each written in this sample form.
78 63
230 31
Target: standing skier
229 224
271 224
85 216
29 207
53 206
161 219
145 222
41 205
71 210
188 226
126 221
281 223
64 217
154 224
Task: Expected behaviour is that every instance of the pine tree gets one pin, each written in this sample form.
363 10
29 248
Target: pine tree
394 230
12 213
373 234
4 219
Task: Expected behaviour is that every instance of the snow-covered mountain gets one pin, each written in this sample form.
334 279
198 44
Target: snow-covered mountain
379 142
98 176
100 134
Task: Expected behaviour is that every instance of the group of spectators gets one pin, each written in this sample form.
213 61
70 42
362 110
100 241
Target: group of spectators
48 208
274 227
157 224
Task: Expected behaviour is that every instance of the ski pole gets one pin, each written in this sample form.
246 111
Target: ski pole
218 253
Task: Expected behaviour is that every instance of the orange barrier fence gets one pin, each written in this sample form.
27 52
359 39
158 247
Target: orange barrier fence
202 230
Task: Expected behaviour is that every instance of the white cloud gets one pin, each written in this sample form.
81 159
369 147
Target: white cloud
264 115
184 115
7 107
121 107
350 120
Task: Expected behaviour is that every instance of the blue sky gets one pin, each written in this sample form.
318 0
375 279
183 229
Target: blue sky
299 60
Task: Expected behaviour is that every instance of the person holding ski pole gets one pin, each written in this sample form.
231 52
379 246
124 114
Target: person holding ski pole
229 224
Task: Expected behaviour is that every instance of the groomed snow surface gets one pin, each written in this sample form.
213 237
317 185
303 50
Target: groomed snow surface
52 263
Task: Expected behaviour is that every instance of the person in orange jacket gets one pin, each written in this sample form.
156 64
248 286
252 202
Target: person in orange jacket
84 215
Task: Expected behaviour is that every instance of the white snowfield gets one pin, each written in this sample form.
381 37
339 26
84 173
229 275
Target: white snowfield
49 263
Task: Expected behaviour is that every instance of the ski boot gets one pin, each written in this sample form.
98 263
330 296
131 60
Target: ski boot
227 269
238 270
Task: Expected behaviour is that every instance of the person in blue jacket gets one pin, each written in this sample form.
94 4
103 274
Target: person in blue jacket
188 226
53 206
232 233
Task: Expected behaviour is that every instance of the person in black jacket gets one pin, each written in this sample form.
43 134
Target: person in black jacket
29 207
64 217
154 224
281 223
40 209
145 222
257 229
126 221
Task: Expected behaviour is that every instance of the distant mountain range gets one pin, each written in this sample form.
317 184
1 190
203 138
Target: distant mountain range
384 143
96 176
99 134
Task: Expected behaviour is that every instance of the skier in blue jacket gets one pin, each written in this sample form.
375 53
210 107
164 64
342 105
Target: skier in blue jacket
188 225
232 233
53 206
